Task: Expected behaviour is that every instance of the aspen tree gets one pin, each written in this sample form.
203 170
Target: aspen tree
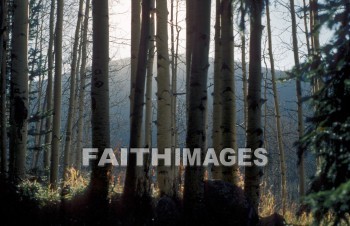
71 107
197 118
133 185
164 175
299 100
254 129
19 109
149 102
217 102
49 109
100 176
135 41
56 127
228 123
277 114
80 122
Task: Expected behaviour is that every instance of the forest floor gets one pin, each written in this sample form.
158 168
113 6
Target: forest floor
34 202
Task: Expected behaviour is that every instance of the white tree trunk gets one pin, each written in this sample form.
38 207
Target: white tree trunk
228 123
164 175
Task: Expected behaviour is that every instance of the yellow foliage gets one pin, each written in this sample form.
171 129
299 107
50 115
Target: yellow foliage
75 179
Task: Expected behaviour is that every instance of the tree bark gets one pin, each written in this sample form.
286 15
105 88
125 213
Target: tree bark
80 122
174 60
40 106
133 185
189 45
73 152
217 99
197 120
164 175
299 99
135 42
254 130
19 88
228 123
73 73
306 29
244 71
37 144
3 57
100 176
149 102
56 128
49 109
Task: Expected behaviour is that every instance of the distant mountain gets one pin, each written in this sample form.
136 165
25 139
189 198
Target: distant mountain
120 113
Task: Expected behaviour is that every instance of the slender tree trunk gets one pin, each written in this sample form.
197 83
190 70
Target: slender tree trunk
189 43
49 109
228 123
3 57
299 99
149 82
19 87
132 178
3 27
37 145
143 185
56 129
315 33
306 29
177 176
266 145
73 72
36 165
174 60
197 120
164 175
76 102
244 71
135 42
148 111
33 63
315 41
217 100
254 130
85 43
277 115
317 83
100 176
40 109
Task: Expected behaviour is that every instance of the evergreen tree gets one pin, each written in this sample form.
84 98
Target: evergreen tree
329 132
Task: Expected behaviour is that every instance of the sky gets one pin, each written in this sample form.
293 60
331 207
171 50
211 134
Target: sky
120 26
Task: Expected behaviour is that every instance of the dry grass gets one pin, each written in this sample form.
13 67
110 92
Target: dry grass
75 179
76 184
268 206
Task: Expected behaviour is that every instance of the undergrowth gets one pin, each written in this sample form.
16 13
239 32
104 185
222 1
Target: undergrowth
76 184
